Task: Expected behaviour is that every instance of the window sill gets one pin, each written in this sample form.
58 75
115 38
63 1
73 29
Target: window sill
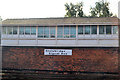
66 38
46 38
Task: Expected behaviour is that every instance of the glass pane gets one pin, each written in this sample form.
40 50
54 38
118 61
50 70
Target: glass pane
87 29
60 31
73 31
33 30
93 29
21 31
80 29
3 30
46 32
15 30
66 32
52 32
40 32
101 30
108 29
27 30
115 29
9 30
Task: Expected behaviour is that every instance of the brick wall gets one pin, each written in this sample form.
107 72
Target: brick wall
83 59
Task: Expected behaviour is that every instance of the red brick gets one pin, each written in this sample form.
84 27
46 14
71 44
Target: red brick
83 59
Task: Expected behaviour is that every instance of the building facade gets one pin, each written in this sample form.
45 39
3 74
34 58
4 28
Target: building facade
61 44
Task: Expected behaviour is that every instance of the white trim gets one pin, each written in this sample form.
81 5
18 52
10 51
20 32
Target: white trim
97 29
112 30
67 45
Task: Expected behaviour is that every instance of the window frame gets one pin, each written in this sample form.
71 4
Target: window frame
49 32
73 33
67 35
104 30
5 30
62 28
23 30
79 29
62 35
110 29
13 30
27 28
113 29
42 32
92 30
89 30
54 29
31 30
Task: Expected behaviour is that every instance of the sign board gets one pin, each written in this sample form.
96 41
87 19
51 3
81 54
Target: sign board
57 52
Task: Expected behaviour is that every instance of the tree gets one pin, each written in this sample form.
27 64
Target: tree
79 8
101 9
74 10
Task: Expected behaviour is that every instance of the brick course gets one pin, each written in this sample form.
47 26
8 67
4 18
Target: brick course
82 59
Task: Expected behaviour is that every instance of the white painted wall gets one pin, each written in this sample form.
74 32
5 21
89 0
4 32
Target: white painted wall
98 41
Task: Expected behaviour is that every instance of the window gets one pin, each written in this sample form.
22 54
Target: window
15 30
60 31
52 32
115 29
87 29
80 29
101 30
21 30
72 32
93 29
46 32
40 32
9 30
27 30
66 32
108 29
33 30
4 30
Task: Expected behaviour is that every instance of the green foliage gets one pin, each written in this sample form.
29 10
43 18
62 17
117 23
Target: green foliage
74 10
79 8
101 10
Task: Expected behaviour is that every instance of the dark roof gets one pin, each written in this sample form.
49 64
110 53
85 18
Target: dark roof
60 21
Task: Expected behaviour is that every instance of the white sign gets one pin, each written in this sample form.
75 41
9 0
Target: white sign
57 52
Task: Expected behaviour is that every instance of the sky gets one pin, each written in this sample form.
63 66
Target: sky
45 8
